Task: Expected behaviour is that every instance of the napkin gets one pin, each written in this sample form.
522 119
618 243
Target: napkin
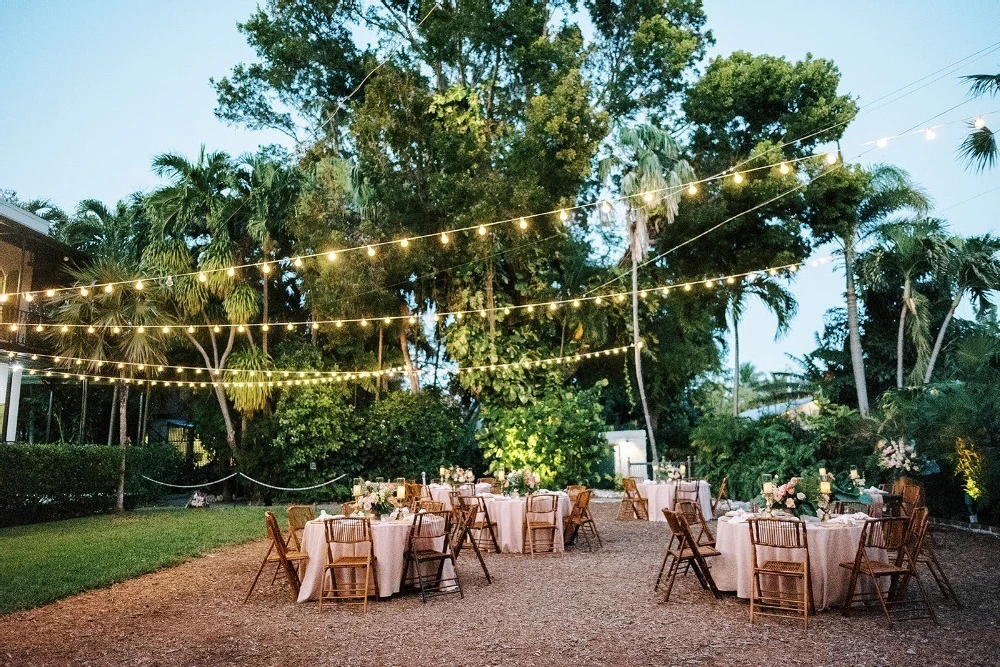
877 490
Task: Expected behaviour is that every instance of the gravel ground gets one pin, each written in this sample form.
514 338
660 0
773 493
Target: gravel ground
582 609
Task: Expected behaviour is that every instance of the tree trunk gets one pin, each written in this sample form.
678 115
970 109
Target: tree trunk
123 444
220 395
638 348
111 421
263 331
857 356
900 334
144 423
378 379
83 412
736 369
404 347
940 337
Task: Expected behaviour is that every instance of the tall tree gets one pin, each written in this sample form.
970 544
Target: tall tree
973 268
847 207
979 149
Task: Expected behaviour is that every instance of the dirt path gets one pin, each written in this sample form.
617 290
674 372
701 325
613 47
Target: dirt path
583 609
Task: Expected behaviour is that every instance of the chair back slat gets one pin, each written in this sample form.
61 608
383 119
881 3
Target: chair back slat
430 505
849 507
777 533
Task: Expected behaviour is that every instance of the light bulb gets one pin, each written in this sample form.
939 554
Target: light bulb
687 287
339 324
979 123
784 168
412 320
191 330
506 310
364 322
3 298
563 215
230 272
84 291
737 178
139 285
240 328
297 262
531 308
50 293
39 328
217 329
522 223
445 238
91 329
65 328
202 277
331 256
882 143
553 306
404 242
166 329
482 230
709 284
576 303
831 157
692 189
730 280
930 134
606 206
109 289
29 297
265 268
265 327
141 330
290 326
371 251
647 197
387 320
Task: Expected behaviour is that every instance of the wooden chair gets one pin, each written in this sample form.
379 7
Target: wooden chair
849 507
633 505
298 516
461 535
900 539
691 512
429 528
912 493
348 508
574 490
430 505
541 511
413 494
682 549
687 490
277 552
487 480
576 521
722 496
788 535
483 530
892 504
357 570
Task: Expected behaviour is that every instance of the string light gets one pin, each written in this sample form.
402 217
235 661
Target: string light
563 215
979 123
692 189
84 291
522 223
784 168
139 285
404 242
482 230
202 277
882 143
297 262
108 289
930 134
647 197
265 268
536 363
371 251
737 178
230 272
444 238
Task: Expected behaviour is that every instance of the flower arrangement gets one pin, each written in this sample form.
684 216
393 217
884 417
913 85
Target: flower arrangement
899 457
784 495
522 481
456 475
669 471
377 498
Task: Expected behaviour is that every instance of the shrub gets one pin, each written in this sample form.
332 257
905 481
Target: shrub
560 435
42 482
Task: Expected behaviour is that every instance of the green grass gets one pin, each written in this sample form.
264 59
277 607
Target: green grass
48 561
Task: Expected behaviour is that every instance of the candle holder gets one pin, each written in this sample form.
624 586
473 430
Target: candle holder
767 491
825 490
356 487
401 488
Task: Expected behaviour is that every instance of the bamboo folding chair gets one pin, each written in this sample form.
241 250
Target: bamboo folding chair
849 507
348 508
722 496
892 504
461 535
577 520
541 512
357 570
428 528
682 549
687 490
633 505
487 480
589 525
900 539
483 530
788 535
695 519
573 490
277 552
413 493
430 505
298 516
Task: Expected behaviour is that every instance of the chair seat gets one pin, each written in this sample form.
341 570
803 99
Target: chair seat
350 561
540 524
878 568
706 552
782 566
429 554
291 555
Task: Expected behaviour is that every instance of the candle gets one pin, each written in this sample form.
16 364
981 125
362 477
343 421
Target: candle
400 491
768 488
822 472
854 473
825 487
423 478
357 490
683 469
441 472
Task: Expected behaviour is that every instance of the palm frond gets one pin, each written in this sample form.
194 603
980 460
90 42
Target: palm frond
979 149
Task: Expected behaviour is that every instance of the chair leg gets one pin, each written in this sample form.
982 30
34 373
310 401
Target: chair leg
675 566
262 566
659 576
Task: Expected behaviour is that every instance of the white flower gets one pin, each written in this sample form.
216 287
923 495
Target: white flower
537 478
800 496
790 503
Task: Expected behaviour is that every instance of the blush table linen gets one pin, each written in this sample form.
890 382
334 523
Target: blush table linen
661 495
441 492
508 513
389 540
829 545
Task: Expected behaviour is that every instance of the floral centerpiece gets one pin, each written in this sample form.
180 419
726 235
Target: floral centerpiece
457 475
899 457
377 498
785 496
669 471
524 481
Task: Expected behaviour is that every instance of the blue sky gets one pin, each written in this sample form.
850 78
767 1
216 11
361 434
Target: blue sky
92 91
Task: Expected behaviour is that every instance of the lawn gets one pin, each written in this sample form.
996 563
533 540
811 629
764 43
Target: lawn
48 561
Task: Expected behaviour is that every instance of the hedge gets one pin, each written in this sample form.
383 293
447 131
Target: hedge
43 482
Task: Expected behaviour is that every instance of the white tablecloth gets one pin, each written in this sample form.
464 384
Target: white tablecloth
509 516
389 541
660 495
441 492
829 545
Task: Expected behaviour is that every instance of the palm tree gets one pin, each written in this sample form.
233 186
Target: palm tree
126 309
911 251
121 233
980 147
871 196
973 268
648 162
773 295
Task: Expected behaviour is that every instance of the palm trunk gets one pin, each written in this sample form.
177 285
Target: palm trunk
220 395
378 379
736 369
111 420
900 336
83 412
940 337
638 348
122 443
263 331
857 357
404 347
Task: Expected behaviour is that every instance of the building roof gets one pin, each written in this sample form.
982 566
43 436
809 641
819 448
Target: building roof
775 409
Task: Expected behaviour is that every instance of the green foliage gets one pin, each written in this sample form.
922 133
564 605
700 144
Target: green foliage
560 436
45 482
82 554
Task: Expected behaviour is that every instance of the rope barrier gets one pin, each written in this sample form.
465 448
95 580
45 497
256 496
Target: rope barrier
279 488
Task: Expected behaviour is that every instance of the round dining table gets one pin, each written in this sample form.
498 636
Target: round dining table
830 543
508 513
389 539
661 495
442 492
